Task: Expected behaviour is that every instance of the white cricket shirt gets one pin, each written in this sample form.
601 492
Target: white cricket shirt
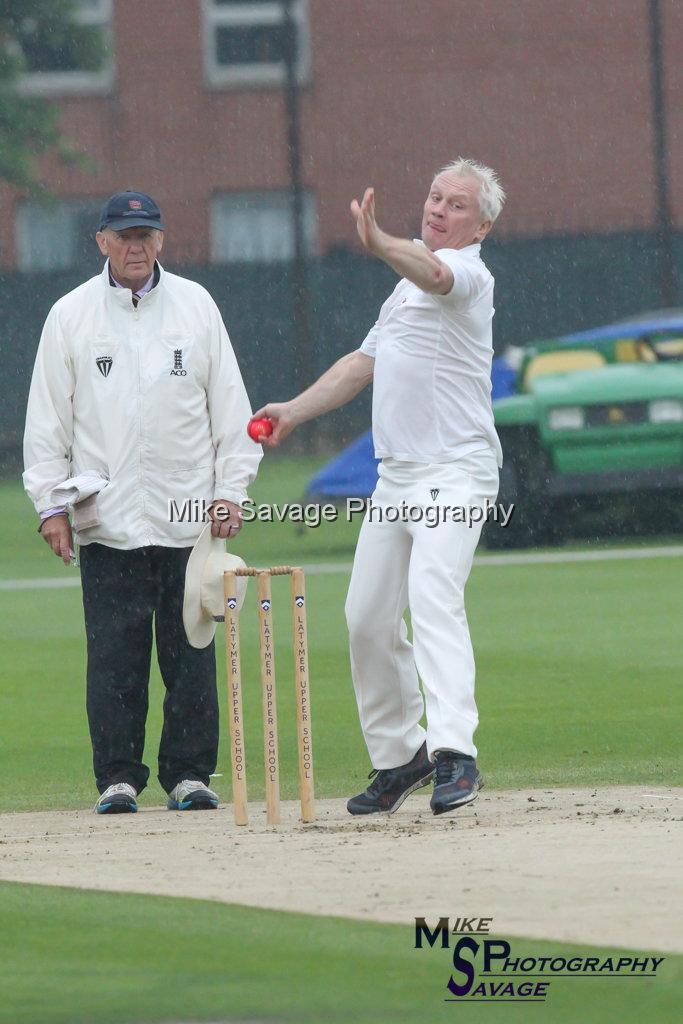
432 381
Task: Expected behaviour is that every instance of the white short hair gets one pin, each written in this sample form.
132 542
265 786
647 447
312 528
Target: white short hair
491 194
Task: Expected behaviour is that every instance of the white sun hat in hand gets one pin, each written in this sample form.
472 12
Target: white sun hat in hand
203 603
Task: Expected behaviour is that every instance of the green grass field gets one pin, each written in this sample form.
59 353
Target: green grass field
577 665
120 959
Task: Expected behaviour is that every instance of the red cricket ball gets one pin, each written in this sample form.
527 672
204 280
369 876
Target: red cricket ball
258 427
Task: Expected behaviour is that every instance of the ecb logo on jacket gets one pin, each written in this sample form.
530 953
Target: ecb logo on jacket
104 364
177 370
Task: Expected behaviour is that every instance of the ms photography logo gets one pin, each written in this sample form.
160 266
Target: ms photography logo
486 970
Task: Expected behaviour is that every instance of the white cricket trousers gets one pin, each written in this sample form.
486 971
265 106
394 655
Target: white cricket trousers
402 563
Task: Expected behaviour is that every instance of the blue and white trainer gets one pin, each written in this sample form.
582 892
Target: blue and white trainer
191 795
117 799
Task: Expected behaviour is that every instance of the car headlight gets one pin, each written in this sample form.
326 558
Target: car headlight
666 410
566 417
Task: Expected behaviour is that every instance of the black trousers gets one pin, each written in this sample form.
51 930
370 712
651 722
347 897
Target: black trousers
124 594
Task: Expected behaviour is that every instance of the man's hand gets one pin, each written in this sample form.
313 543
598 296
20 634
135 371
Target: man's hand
414 262
338 385
57 532
284 421
371 235
226 519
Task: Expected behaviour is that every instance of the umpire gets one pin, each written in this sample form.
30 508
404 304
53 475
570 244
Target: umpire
135 421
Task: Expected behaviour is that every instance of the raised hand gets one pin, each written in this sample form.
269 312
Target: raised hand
369 232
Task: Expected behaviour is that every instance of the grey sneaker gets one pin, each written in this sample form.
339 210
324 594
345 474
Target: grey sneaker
390 786
117 799
457 781
191 795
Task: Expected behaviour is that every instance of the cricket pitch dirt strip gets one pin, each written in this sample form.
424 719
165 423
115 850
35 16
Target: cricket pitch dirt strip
598 866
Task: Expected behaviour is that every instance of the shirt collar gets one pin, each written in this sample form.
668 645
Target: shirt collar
474 248
147 286
151 282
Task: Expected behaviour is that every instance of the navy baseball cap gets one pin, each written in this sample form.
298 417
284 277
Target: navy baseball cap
130 210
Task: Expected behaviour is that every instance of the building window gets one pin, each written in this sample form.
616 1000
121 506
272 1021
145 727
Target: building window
245 41
57 235
257 227
79 61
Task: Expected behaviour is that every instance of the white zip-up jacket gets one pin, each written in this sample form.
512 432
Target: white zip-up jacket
150 397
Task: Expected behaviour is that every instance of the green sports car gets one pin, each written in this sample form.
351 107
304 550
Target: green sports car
596 414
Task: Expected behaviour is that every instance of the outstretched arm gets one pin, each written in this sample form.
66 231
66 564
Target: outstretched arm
337 386
414 262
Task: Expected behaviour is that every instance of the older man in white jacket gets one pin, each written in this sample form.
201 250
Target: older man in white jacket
136 413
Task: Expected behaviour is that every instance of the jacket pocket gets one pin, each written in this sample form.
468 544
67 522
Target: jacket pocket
169 359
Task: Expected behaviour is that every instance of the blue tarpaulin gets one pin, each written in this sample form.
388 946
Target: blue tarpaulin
646 323
353 473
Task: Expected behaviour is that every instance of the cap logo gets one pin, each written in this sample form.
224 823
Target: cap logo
134 204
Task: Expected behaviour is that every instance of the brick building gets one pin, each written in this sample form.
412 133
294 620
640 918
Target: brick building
189 105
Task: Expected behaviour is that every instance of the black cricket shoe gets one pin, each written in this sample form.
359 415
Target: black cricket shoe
390 786
457 781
